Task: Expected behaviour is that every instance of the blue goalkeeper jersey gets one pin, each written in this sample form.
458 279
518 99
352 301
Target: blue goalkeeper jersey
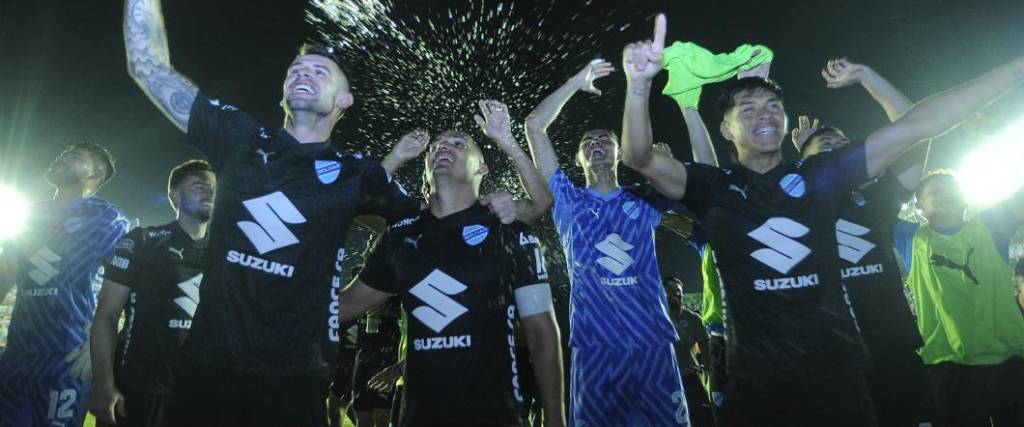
59 265
616 299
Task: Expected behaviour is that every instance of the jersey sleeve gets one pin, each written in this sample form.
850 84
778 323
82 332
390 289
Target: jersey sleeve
903 240
701 182
562 189
217 129
378 273
383 195
112 226
122 266
530 277
1002 224
842 170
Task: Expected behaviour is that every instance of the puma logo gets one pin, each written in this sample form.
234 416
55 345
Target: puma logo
742 191
941 261
264 154
177 252
414 242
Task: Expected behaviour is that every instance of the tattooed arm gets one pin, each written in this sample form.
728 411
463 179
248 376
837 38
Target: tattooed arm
149 61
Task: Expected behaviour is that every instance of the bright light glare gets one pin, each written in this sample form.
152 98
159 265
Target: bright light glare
13 212
993 171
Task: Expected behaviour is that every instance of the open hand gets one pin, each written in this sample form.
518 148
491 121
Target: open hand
594 70
411 145
803 130
495 121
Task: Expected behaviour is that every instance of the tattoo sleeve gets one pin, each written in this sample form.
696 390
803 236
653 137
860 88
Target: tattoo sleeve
149 61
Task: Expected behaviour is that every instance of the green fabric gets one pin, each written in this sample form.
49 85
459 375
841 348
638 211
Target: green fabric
960 321
690 67
711 304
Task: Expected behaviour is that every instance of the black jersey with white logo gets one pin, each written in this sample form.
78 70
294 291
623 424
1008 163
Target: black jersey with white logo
457 277
163 266
283 210
868 264
775 246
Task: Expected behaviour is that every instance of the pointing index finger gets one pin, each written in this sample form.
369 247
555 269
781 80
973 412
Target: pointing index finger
659 32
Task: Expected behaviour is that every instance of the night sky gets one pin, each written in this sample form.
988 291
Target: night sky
63 75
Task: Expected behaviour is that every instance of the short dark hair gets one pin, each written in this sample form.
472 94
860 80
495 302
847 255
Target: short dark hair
820 131
727 99
455 133
189 168
99 155
614 136
329 52
931 176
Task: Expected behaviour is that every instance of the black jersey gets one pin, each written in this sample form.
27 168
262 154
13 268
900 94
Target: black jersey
283 210
163 266
775 246
378 334
869 269
457 278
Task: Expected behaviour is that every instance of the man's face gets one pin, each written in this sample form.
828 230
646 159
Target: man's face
455 157
72 167
941 196
195 194
757 122
597 148
824 142
315 84
674 292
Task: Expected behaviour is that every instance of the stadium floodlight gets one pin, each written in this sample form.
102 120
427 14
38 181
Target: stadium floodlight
994 170
13 212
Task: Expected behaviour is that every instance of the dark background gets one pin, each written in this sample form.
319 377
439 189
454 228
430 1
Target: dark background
63 75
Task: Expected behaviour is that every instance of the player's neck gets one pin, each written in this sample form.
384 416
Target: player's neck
194 227
760 162
68 195
308 127
604 180
449 199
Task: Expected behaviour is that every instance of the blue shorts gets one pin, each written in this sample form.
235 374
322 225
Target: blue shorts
626 387
38 390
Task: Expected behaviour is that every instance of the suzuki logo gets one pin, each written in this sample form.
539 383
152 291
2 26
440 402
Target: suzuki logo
271 212
190 299
43 261
783 253
617 259
851 247
435 291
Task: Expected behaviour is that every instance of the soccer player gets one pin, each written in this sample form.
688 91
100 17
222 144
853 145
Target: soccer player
959 274
464 279
57 264
790 331
870 273
693 338
623 363
155 272
262 345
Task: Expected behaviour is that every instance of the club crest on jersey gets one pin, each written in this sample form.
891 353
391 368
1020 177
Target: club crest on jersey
327 171
793 185
631 209
474 234
73 224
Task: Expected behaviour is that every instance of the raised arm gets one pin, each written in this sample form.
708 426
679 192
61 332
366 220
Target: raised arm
841 73
105 398
149 61
496 123
641 62
939 113
545 113
409 147
700 140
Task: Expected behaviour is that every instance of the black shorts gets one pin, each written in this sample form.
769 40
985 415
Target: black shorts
899 388
206 395
835 402
971 395
144 410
